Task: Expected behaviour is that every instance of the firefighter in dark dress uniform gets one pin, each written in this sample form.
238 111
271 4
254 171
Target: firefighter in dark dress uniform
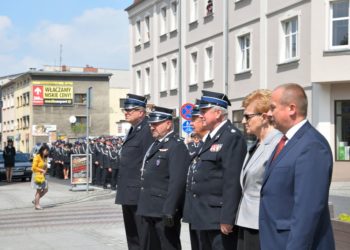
195 145
201 133
131 155
214 190
163 180
100 148
114 164
107 170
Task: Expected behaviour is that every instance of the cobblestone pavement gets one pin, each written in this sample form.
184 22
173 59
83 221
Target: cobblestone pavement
86 225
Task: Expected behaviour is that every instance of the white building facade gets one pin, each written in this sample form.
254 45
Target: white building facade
179 48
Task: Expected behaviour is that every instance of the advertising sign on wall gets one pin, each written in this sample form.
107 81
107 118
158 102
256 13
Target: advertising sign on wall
43 129
78 169
53 93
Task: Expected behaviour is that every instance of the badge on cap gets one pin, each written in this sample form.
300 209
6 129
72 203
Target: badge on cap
215 147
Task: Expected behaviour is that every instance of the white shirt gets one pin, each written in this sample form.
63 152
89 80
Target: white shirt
213 133
293 130
160 140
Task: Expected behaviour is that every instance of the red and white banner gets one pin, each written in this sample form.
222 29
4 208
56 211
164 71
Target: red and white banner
38 95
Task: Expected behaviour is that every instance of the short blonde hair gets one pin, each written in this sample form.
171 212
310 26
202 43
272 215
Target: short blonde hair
261 98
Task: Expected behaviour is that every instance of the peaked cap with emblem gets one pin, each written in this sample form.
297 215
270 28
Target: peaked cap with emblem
134 101
160 114
211 99
196 110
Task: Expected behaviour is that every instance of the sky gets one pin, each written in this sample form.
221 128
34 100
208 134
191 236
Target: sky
92 32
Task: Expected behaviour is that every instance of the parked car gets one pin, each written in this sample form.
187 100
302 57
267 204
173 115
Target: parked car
22 169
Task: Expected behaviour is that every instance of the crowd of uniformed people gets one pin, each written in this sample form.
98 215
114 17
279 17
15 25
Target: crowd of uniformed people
105 159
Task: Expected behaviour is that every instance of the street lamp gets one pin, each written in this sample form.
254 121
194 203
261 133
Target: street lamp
88 106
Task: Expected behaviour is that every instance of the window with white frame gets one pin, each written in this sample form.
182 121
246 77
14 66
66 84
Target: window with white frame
173 74
138 33
210 7
289 44
193 10
173 20
209 74
339 23
12 101
147 34
163 76
147 80
138 82
243 59
194 68
163 21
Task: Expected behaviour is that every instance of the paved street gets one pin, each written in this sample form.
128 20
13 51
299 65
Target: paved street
84 222
81 220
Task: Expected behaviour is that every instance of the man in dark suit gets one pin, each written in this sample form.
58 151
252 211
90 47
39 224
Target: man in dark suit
163 180
214 186
131 154
294 196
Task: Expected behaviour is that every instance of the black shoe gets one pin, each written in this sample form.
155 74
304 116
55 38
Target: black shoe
104 187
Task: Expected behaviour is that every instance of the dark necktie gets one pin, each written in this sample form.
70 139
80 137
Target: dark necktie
280 146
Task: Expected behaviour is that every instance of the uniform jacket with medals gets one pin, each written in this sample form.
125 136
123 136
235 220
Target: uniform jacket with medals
131 156
163 178
214 192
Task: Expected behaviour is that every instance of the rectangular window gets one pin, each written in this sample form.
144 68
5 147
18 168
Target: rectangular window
193 69
243 63
209 63
290 39
81 120
138 82
121 102
173 16
138 33
342 130
163 21
147 29
80 98
194 11
173 75
147 81
339 18
12 101
210 7
163 76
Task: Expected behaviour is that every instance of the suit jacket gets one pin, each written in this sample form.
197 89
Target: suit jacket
214 192
163 178
131 155
294 196
251 179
